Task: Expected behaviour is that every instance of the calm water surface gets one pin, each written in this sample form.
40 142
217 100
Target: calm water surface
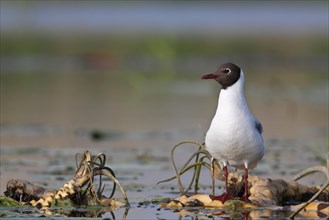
47 119
154 97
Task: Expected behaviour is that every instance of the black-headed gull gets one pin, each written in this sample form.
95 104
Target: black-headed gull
235 135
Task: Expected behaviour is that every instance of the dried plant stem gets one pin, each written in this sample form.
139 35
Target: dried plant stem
198 172
108 173
306 172
264 191
185 170
80 189
212 176
181 189
199 162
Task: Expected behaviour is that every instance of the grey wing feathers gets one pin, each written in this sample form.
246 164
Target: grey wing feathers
258 125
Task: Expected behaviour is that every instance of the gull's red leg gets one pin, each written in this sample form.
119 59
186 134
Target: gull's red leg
224 197
245 194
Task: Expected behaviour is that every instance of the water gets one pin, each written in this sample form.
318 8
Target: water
47 119
95 79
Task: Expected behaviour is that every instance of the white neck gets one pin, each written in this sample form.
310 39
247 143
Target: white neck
233 95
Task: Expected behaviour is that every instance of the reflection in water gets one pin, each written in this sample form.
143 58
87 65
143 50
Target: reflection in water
139 98
261 213
86 212
183 213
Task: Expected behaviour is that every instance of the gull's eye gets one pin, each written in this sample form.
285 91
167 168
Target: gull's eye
227 70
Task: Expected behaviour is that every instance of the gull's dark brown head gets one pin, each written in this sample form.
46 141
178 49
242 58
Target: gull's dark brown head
227 74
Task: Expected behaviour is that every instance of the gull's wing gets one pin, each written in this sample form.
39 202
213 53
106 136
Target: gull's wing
258 125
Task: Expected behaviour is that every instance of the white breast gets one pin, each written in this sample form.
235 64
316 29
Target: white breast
232 137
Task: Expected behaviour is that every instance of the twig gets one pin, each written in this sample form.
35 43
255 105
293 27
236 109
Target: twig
181 189
306 172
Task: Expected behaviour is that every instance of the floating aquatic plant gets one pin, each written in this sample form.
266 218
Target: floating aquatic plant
262 191
81 189
199 157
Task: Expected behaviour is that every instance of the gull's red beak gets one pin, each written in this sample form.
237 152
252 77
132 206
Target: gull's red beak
209 76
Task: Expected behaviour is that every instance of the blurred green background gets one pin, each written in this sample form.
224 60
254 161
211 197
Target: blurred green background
101 64
132 70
